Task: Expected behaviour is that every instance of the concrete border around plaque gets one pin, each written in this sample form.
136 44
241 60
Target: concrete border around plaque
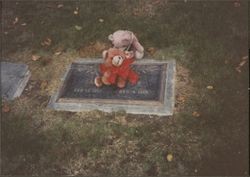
163 105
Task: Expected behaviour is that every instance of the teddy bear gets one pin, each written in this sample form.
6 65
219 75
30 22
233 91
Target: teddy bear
127 41
116 69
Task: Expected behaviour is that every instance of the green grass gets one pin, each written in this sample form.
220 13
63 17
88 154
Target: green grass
199 35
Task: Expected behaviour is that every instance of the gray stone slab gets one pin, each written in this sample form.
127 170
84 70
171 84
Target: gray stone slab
14 77
153 94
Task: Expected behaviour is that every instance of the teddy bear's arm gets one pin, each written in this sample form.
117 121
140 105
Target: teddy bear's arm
137 45
104 54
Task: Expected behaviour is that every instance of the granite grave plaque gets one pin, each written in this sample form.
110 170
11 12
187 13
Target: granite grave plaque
14 77
153 94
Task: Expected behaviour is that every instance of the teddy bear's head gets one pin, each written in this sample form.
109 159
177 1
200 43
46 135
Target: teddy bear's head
125 40
114 57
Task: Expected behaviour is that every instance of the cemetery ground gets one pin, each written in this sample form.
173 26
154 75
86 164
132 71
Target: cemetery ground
208 133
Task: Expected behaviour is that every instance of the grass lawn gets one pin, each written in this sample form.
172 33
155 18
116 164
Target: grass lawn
207 135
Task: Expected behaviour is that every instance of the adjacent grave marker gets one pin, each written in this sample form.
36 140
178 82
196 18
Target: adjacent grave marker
14 78
153 94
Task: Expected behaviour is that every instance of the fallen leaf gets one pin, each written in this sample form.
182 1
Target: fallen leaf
76 11
151 50
238 69
46 42
35 57
236 4
98 46
6 32
210 87
241 64
245 57
43 85
78 27
59 5
181 99
101 20
59 50
15 21
196 114
169 157
135 13
57 53
6 108
24 24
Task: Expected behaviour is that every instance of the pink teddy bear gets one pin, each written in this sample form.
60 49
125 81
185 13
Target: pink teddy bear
126 41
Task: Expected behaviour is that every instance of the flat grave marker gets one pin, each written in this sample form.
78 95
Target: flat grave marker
153 94
14 78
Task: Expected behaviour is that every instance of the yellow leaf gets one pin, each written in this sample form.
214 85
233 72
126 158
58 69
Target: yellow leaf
242 63
15 21
59 5
196 114
59 50
76 11
78 27
46 42
169 157
57 53
35 57
210 87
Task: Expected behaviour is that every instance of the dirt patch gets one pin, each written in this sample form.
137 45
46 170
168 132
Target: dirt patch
93 50
184 88
144 8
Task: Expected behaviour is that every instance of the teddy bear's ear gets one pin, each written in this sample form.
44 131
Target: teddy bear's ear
111 38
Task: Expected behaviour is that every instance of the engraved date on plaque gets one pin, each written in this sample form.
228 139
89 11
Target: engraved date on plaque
122 91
